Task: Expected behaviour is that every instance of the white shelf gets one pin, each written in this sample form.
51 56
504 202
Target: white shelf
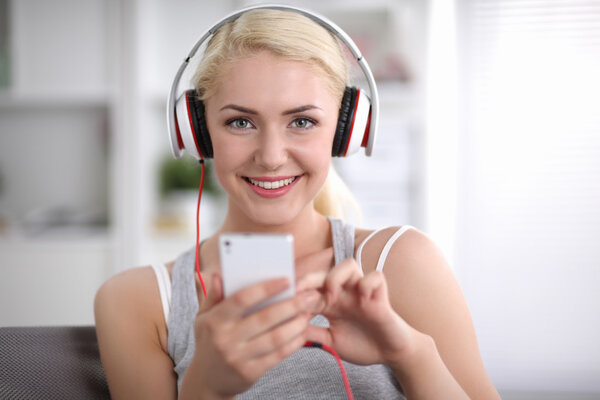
17 100
14 236
86 240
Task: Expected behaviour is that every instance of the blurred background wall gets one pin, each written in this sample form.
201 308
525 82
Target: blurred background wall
489 142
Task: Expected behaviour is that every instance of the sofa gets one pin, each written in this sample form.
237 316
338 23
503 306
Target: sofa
60 362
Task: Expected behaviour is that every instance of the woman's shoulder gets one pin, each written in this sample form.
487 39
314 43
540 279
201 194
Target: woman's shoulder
390 245
133 283
132 297
411 261
132 336
129 283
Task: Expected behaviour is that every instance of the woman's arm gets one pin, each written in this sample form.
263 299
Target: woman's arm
133 350
424 292
420 325
364 329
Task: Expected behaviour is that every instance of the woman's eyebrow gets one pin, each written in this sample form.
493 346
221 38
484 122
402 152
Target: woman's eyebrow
238 108
295 110
301 109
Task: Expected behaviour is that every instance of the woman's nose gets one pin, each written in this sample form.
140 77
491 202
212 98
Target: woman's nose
271 152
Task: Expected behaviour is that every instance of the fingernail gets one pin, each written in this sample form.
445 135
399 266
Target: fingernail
310 299
331 296
282 283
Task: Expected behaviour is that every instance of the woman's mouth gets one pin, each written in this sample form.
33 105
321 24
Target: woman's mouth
271 187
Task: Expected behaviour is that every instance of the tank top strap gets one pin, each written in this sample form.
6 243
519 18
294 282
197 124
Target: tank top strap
164 288
184 307
386 248
342 234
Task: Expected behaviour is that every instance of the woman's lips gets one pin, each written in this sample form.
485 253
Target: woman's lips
272 186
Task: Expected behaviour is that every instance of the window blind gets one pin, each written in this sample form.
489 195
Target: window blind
528 248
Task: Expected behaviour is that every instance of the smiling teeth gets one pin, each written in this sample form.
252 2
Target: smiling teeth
272 185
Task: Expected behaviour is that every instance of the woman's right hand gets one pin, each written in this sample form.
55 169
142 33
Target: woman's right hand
234 350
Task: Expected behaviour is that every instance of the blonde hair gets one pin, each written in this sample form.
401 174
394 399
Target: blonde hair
287 34
336 200
294 37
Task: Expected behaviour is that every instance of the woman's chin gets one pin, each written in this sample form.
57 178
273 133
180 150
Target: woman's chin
272 219
274 216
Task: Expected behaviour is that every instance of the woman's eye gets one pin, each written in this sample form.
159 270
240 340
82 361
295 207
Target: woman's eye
302 123
239 123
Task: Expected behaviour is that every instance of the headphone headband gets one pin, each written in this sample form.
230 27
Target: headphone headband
324 22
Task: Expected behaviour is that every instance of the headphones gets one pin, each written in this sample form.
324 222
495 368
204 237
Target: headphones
357 120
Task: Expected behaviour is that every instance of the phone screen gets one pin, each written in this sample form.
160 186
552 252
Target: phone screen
250 258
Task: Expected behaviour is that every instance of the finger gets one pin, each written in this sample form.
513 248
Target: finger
321 260
313 280
273 358
270 317
315 307
278 337
238 304
372 286
381 292
319 334
215 292
345 275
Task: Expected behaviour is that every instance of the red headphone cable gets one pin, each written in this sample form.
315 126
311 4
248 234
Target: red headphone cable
198 229
339 362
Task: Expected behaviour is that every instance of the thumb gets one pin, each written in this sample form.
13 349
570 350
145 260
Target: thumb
215 293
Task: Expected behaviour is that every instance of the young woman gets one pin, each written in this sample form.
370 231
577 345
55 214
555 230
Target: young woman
271 83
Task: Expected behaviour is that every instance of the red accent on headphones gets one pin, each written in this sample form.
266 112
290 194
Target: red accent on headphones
178 133
367 132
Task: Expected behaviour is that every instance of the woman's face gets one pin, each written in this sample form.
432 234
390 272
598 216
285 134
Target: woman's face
271 123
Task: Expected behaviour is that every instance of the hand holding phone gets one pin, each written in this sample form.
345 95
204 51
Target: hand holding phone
250 258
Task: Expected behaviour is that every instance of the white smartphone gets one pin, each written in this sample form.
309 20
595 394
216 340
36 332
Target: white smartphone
250 258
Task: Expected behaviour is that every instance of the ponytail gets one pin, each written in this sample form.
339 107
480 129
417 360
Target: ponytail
335 198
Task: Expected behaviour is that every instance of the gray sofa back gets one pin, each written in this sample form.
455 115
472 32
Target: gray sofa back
51 363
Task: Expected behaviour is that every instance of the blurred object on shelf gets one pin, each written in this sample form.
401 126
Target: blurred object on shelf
184 174
179 180
177 213
63 219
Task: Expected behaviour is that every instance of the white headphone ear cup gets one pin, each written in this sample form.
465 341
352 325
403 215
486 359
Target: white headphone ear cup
359 126
185 126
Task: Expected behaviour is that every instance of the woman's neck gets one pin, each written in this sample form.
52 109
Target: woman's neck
310 229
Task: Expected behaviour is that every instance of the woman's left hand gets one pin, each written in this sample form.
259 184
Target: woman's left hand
364 328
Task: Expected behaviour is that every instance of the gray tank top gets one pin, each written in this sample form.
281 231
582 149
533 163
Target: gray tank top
308 373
